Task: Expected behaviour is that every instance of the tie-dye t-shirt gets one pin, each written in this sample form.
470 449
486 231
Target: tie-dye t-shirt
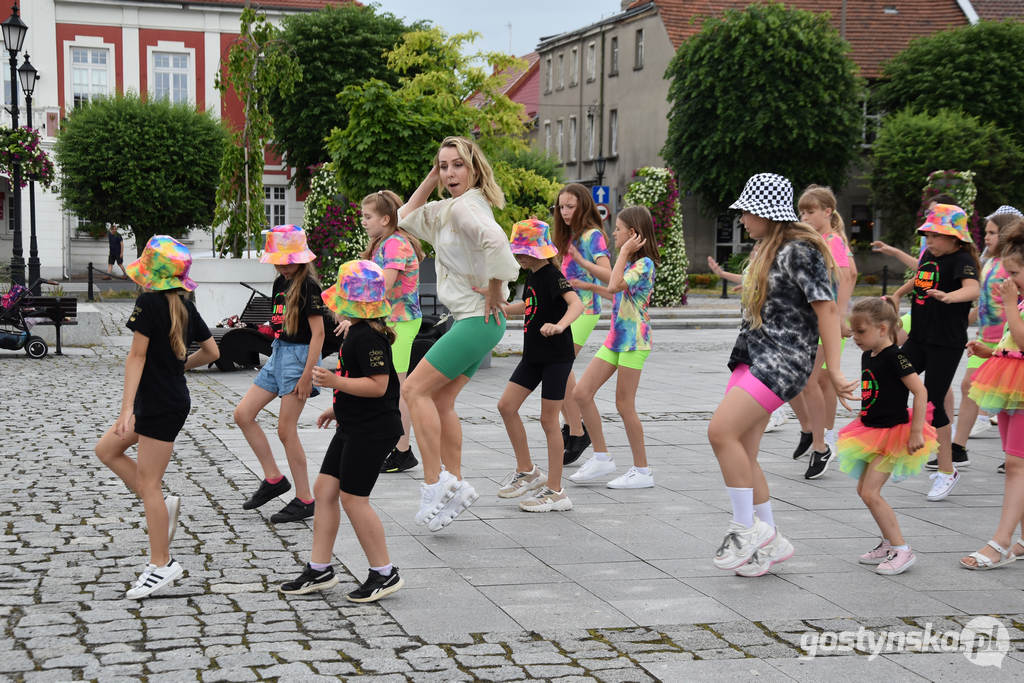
631 324
590 244
991 316
396 253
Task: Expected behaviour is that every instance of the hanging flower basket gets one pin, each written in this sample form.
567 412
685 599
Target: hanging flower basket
23 146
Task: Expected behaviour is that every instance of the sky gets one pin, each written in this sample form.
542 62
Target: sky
529 19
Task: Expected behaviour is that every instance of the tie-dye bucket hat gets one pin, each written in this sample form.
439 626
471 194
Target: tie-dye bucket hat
949 220
164 264
286 244
359 292
533 238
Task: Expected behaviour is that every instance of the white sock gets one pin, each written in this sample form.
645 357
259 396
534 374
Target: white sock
603 457
383 571
643 470
764 513
742 505
905 546
885 541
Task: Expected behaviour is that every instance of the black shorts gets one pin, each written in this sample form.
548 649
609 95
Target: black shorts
114 258
162 427
551 376
355 460
938 364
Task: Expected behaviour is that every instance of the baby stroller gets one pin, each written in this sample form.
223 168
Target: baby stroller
14 330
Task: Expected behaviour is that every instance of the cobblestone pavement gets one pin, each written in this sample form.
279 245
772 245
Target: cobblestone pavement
72 539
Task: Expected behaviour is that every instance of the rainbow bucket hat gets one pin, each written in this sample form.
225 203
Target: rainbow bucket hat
164 264
360 291
949 220
286 244
533 238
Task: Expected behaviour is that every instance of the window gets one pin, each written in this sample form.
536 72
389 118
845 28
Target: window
638 57
613 68
170 76
7 87
547 137
572 138
559 138
613 131
275 202
591 61
574 67
561 70
547 75
90 73
590 136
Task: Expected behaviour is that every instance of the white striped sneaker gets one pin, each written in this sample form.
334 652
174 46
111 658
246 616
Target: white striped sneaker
153 578
741 542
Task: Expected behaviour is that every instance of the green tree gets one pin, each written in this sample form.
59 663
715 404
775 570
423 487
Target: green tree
149 166
258 65
335 47
910 146
978 69
763 89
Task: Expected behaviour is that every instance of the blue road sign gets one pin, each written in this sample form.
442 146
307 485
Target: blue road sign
601 193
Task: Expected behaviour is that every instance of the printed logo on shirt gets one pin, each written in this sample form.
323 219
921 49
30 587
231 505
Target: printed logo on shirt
904 362
868 391
531 306
376 358
135 314
927 279
277 315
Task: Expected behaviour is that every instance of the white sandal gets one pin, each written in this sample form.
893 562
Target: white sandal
984 562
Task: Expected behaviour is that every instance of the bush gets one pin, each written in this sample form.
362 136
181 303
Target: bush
332 223
703 280
656 189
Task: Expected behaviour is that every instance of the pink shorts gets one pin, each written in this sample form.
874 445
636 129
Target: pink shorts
1011 431
745 380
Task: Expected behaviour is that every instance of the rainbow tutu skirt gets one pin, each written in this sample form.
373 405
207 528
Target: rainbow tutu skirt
998 385
859 445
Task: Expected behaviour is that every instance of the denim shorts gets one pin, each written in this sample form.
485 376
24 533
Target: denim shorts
284 368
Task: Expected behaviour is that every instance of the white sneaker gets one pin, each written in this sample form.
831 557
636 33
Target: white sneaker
740 543
980 426
831 438
154 578
547 500
464 496
434 496
994 421
943 484
173 504
632 479
777 550
777 419
592 469
519 483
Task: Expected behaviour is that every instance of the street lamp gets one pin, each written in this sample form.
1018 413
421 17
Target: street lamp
599 164
29 76
14 30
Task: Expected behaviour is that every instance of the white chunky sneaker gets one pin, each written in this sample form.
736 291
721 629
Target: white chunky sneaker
434 496
154 578
518 483
980 426
592 469
740 542
779 549
547 500
942 485
464 496
632 479
777 419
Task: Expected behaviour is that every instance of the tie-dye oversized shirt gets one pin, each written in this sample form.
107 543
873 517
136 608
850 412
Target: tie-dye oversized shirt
396 253
991 316
631 324
590 244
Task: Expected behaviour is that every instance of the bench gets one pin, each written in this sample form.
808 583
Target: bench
52 310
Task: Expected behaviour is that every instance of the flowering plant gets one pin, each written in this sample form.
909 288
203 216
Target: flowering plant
23 146
334 231
656 188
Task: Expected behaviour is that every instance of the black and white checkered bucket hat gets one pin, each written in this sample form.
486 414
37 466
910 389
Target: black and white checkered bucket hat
767 195
1003 210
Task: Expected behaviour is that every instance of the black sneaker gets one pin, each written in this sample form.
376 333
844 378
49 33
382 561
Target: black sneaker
1001 469
399 461
806 441
577 446
960 459
294 511
565 436
266 492
377 586
310 580
819 463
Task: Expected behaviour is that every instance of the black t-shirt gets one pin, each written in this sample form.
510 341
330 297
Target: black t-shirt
162 388
364 353
310 304
115 240
883 395
931 321
544 304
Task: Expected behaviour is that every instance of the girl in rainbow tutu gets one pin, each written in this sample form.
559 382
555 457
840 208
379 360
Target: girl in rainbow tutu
885 439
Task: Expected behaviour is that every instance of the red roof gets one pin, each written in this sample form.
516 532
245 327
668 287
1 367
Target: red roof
263 4
999 9
876 29
521 85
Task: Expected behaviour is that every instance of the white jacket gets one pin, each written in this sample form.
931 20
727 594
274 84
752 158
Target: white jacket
470 248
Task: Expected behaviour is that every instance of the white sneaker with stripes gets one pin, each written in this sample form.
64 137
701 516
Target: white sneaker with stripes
153 578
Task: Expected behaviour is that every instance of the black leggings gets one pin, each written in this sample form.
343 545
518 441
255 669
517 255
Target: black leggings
938 364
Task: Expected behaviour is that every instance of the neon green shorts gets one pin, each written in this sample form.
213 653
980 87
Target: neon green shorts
582 327
975 362
627 359
842 347
405 333
905 319
461 349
